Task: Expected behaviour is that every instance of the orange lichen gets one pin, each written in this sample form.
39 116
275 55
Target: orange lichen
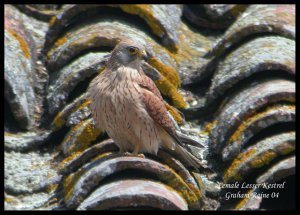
198 179
290 99
178 184
263 159
287 149
101 156
87 135
68 159
86 103
167 71
267 45
209 126
174 112
59 119
101 69
185 51
9 199
69 183
82 105
75 46
243 201
52 20
166 88
52 187
167 159
10 134
231 172
145 12
61 41
238 9
23 44
237 135
49 175
199 182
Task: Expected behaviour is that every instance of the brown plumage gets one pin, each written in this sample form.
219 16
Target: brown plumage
129 107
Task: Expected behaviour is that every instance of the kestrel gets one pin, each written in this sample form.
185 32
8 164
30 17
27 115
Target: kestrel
128 106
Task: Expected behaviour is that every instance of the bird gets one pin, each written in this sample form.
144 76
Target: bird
127 105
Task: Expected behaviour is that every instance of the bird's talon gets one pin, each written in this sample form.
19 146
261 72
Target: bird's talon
127 154
140 155
133 154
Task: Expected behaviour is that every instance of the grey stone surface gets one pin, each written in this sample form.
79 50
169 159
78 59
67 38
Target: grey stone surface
52 150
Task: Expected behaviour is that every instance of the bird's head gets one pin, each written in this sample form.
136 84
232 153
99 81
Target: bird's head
128 53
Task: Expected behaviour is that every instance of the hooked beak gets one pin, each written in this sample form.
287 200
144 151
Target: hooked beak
144 55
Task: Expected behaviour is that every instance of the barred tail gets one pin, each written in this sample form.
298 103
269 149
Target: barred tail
188 158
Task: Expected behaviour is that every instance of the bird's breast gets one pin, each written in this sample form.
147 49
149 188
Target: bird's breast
118 101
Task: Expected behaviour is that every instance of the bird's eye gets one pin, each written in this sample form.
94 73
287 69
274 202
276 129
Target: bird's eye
132 50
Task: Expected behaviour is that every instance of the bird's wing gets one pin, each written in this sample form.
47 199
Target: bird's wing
147 83
157 110
155 106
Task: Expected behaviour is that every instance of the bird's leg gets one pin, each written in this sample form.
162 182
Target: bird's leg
136 151
121 150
